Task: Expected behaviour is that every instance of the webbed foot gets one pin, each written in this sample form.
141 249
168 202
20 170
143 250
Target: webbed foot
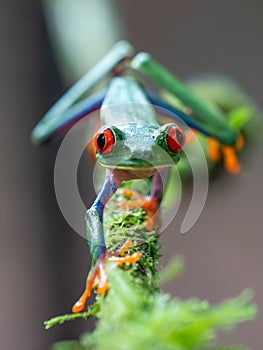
148 203
98 276
231 162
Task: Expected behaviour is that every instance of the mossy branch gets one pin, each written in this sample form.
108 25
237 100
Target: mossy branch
135 314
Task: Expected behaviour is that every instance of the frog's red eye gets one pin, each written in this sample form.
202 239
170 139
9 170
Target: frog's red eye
175 138
104 141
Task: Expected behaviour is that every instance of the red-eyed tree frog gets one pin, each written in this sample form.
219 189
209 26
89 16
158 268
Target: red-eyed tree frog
131 144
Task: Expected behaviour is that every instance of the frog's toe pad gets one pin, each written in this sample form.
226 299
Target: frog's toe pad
98 276
119 258
148 203
128 259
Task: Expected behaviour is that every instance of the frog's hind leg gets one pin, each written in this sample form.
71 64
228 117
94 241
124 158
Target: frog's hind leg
67 109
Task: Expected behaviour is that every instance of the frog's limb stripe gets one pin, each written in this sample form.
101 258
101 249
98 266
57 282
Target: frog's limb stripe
78 111
209 116
174 113
118 53
94 216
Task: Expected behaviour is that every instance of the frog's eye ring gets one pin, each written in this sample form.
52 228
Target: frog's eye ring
175 138
104 141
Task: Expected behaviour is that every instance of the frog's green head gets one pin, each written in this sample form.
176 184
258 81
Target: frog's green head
135 145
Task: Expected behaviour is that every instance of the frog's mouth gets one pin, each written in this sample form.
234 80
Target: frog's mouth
132 169
139 162
137 165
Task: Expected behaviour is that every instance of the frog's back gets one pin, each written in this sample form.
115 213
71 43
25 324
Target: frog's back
126 102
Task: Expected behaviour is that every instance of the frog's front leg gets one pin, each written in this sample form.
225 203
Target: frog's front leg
97 277
94 216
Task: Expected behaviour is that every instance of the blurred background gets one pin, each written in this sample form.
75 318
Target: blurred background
43 263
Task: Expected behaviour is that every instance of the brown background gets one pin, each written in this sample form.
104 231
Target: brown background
42 262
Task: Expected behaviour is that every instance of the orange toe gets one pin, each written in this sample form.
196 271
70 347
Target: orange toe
213 149
129 259
126 245
150 204
78 307
98 277
129 193
230 160
132 204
